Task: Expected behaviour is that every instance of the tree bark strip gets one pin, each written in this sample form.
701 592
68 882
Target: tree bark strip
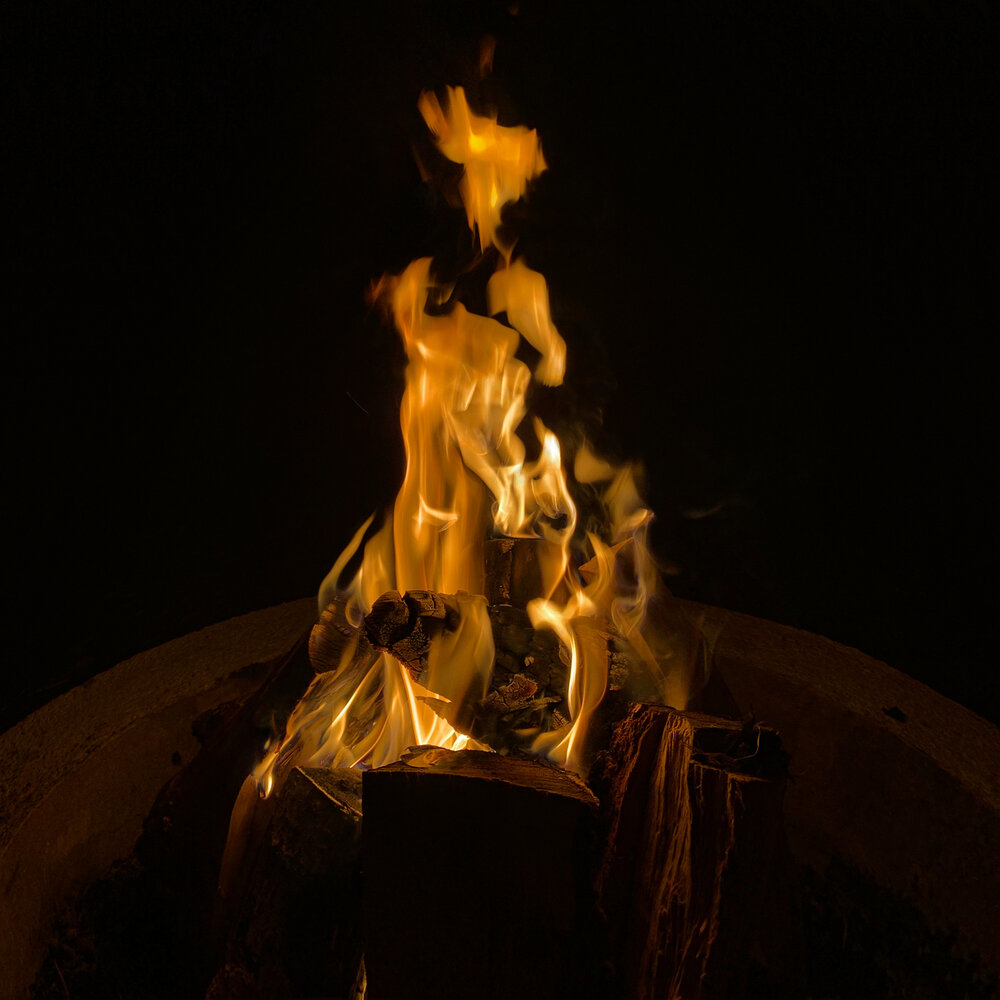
693 812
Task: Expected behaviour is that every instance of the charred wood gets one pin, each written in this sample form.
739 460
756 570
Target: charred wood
494 854
295 930
333 636
406 625
692 806
531 670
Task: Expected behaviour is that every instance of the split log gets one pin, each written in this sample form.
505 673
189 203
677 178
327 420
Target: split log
692 806
477 878
294 910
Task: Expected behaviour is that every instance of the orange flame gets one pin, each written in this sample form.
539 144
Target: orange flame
499 162
467 474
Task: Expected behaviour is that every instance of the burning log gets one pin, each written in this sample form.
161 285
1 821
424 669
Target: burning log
494 854
401 624
293 921
406 625
693 812
530 678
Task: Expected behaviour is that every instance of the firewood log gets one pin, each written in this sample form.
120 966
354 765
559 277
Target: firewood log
692 807
295 929
477 879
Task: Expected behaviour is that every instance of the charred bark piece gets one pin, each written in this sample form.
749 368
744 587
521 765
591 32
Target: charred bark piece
693 812
516 694
493 855
296 928
406 624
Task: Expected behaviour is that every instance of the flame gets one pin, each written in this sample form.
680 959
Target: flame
499 162
468 475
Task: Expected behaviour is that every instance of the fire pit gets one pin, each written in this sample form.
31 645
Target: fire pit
893 813
542 729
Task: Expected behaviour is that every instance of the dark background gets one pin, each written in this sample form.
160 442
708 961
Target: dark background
767 231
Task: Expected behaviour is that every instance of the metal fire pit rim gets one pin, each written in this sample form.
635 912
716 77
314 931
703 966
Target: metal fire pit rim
123 695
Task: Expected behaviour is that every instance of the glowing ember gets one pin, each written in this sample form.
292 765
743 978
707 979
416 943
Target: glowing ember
468 476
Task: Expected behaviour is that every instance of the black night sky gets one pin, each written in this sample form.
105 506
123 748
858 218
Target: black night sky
768 237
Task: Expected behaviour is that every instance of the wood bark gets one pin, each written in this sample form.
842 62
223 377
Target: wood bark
692 807
293 910
477 879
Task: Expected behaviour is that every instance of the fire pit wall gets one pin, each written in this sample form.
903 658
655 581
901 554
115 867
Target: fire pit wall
889 778
82 773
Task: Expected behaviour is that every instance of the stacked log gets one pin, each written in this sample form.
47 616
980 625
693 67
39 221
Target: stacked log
477 879
469 855
655 888
692 808
658 887
292 901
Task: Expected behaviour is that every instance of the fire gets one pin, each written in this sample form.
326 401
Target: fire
469 476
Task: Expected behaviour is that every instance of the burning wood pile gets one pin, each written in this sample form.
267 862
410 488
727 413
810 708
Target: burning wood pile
510 772
503 777
481 874
501 639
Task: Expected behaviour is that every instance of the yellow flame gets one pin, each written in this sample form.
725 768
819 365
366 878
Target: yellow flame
524 296
499 162
468 474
